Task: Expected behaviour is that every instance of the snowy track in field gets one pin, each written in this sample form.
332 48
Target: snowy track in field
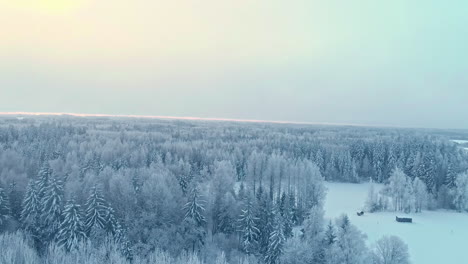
435 236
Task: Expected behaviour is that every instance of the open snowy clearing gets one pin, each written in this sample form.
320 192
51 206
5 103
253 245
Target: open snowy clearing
435 236
460 141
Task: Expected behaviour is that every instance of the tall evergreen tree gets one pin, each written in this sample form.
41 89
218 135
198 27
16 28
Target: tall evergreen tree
194 221
288 223
194 208
5 211
351 242
330 236
248 228
71 230
112 225
95 217
292 208
276 242
265 220
52 209
43 180
15 198
451 175
31 208
225 216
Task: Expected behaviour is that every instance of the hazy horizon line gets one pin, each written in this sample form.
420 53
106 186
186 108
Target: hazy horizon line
222 119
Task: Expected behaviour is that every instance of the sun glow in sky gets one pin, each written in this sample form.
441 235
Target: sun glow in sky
54 6
395 62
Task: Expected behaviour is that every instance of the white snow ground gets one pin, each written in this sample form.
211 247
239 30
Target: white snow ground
458 141
435 237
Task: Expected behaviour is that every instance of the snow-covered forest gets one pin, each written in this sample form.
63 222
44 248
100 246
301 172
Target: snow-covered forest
122 190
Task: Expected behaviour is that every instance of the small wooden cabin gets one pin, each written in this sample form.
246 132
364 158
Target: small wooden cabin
404 219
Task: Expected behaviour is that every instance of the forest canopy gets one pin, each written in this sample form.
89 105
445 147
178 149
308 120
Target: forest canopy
171 187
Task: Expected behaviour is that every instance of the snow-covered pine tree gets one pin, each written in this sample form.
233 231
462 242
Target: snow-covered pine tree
126 250
351 242
112 225
71 230
265 219
426 172
451 175
45 173
276 242
5 211
51 215
194 208
31 209
282 204
288 222
15 198
95 216
330 236
194 221
184 175
248 228
225 216
328 253
292 208
118 232
320 161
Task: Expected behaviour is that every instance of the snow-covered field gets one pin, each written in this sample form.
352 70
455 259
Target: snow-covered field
435 236
460 141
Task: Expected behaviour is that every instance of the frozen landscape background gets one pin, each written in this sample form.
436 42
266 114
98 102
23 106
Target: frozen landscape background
145 190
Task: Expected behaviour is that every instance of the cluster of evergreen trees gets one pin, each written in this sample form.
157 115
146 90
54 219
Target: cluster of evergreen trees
49 219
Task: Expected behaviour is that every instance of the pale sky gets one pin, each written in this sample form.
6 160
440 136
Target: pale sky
397 63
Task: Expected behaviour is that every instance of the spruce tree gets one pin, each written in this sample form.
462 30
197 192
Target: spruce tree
288 220
194 221
126 250
248 228
52 209
15 198
292 208
282 204
112 225
95 217
330 236
276 242
451 176
194 209
265 217
350 242
225 220
5 211
31 209
44 176
71 230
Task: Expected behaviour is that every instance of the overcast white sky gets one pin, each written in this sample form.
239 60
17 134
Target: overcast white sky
363 62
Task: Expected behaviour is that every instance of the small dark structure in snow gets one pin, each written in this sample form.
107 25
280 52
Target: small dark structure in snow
361 213
404 219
